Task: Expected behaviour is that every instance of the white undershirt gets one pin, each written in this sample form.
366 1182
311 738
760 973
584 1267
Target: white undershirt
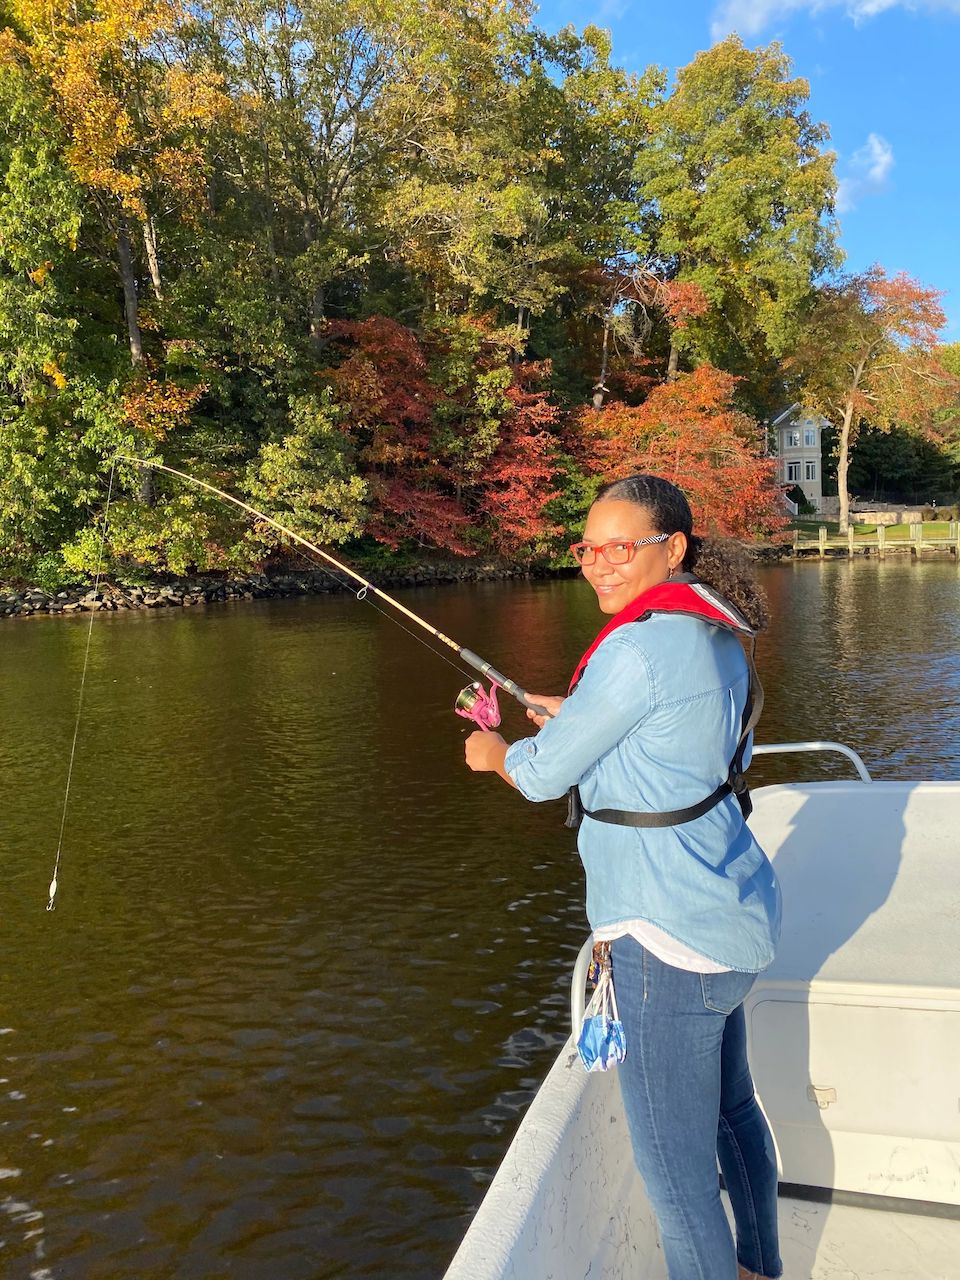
665 948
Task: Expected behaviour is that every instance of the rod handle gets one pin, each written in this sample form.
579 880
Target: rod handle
505 683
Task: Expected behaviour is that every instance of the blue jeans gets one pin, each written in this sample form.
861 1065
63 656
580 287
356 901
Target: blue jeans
689 1099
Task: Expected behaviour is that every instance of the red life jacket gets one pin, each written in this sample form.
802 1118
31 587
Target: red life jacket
686 595
683 594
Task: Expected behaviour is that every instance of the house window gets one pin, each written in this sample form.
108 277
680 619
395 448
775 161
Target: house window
810 438
793 472
791 439
810 469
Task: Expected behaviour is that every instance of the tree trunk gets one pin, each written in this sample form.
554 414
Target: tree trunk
673 362
269 207
153 262
147 492
600 386
523 332
318 306
129 293
843 464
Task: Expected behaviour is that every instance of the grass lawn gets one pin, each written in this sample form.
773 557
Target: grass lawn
895 532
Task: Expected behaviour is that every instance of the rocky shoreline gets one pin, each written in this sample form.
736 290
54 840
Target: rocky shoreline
186 593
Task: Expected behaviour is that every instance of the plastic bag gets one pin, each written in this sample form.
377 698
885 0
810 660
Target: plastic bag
602 1042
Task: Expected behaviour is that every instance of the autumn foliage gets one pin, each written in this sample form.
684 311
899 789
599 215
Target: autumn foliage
871 353
425 486
688 431
518 484
411 273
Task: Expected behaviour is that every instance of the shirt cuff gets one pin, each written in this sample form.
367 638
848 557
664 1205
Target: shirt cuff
519 755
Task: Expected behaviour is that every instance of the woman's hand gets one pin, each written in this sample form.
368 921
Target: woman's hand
484 751
549 702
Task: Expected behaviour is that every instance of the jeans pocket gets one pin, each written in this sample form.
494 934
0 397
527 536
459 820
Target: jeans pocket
722 992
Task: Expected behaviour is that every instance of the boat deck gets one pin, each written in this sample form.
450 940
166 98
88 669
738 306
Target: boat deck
854 1037
568 1204
844 1242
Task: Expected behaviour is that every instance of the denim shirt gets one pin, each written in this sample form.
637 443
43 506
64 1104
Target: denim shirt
653 725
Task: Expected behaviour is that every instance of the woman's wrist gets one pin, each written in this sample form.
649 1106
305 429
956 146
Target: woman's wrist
486 752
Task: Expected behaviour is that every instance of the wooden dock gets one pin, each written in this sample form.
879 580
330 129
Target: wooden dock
878 543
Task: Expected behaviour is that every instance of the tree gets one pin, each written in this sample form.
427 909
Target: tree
518 483
388 401
740 197
688 431
869 352
131 119
308 478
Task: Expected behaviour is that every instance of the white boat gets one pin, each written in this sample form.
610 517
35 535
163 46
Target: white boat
854 1042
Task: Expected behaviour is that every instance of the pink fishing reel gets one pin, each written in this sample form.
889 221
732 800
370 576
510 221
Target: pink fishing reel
474 703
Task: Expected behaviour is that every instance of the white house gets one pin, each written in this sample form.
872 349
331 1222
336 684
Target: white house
796 442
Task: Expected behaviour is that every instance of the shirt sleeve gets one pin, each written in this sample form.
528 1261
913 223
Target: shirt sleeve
614 695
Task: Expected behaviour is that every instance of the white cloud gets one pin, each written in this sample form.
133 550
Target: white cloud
610 10
750 17
868 172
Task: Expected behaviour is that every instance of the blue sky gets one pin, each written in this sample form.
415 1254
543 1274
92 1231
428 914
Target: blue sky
883 76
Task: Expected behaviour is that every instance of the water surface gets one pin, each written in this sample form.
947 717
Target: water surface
306 971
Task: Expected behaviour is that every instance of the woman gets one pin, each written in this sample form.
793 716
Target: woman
692 907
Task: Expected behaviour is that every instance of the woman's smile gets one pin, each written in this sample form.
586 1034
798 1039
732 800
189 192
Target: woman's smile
617 585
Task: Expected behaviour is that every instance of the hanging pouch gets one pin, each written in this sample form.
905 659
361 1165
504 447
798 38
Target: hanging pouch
602 1043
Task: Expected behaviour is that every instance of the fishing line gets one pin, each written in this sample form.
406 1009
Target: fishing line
363 597
475 703
83 680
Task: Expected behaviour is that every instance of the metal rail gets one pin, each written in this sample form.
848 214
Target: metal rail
774 748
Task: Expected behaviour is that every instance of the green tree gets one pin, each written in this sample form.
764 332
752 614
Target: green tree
741 200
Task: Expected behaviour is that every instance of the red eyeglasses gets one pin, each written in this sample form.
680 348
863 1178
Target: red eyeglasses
613 552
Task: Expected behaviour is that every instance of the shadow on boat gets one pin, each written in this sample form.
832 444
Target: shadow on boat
837 867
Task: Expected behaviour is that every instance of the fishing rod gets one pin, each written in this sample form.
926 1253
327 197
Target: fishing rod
473 702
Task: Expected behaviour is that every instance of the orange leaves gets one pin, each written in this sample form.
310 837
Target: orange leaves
683 301
157 408
689 432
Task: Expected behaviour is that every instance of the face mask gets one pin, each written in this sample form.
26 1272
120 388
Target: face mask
602 1043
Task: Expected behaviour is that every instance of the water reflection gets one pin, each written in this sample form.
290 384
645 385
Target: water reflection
306 971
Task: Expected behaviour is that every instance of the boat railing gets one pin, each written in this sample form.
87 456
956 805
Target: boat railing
578 986
772 748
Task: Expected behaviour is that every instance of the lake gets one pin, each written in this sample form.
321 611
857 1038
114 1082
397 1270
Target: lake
306 971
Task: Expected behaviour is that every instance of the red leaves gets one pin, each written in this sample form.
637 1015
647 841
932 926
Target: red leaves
683 301
689 432
416 478
518 479
406 512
